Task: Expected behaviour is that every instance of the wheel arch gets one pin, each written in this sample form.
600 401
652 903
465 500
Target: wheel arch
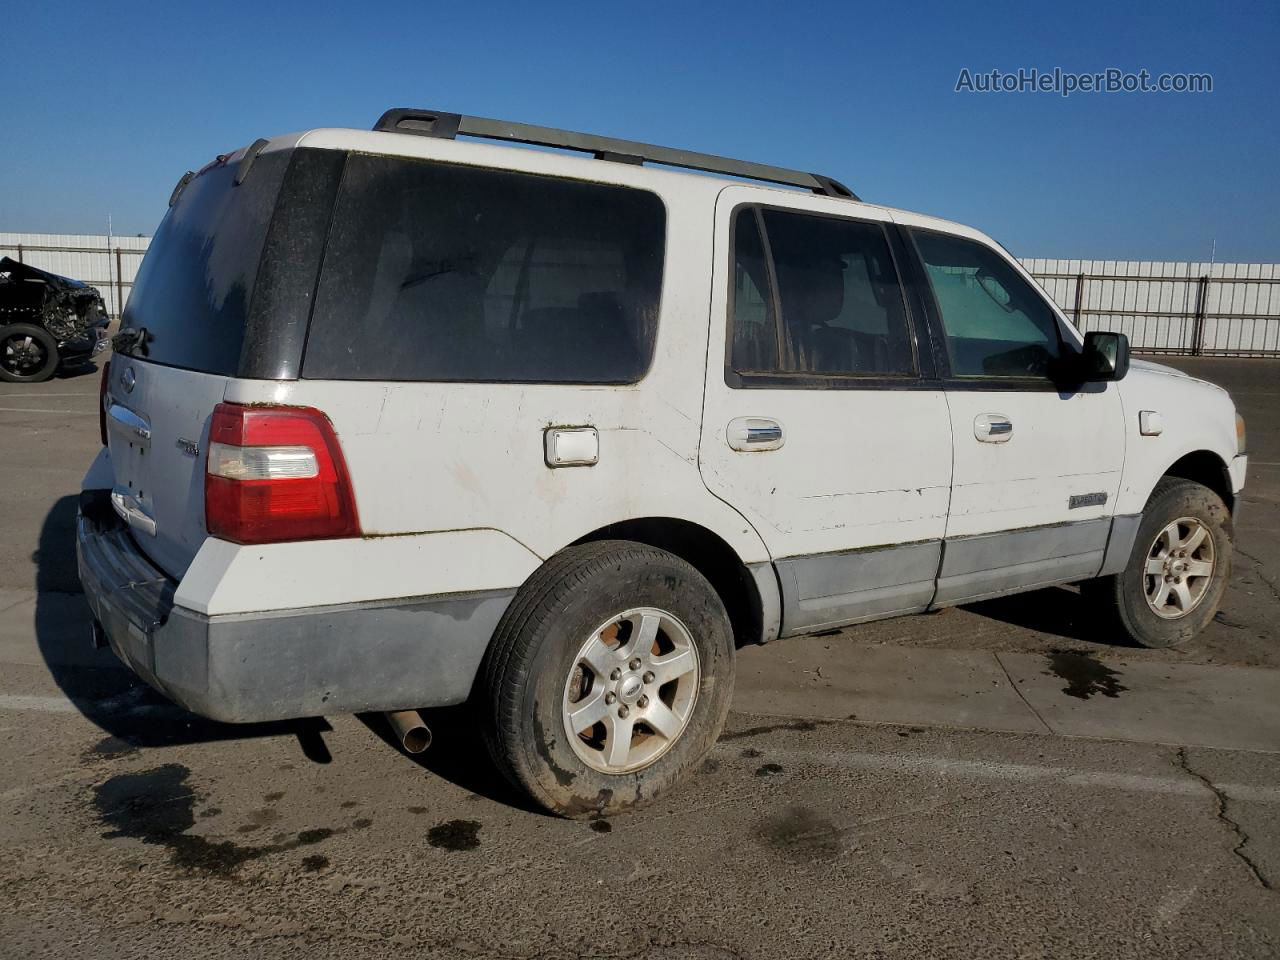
1208 469
749 592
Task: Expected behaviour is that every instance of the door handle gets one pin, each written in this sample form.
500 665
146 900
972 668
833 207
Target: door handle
127 506
992 427
754 434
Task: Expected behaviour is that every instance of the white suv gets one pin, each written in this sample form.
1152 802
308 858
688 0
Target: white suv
399 420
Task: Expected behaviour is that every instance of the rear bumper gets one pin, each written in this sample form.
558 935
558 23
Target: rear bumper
281 664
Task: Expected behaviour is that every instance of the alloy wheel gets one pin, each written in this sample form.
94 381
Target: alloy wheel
631 690
1179 568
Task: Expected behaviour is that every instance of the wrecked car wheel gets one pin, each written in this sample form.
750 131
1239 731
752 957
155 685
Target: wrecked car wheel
608 679
27 354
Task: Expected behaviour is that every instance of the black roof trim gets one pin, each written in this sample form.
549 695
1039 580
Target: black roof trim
449 126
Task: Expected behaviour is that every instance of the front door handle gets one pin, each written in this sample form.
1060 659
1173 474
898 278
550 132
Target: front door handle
754 434
992 427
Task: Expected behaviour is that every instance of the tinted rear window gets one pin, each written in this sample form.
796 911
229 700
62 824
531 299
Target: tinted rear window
440 272
192 292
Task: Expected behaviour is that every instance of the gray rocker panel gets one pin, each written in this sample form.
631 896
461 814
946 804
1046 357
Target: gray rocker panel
834 589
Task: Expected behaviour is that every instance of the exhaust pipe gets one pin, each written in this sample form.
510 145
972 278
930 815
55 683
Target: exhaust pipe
410 730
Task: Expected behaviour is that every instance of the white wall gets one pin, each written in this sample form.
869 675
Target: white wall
1158 312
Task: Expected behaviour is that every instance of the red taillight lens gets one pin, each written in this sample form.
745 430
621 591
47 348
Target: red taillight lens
102 402
274 474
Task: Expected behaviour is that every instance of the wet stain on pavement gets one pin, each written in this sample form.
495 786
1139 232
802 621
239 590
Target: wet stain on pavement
769 770
272 797
801 834
800 725
417 810
262 817
602 826
455 835
158 807
752 752
361 823
348 804
314 863
1085 676
110 748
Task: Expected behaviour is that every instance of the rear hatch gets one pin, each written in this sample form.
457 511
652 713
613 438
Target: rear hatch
184 335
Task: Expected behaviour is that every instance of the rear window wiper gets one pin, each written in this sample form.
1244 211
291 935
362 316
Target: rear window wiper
129 339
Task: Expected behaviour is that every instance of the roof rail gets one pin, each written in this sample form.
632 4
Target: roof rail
449 126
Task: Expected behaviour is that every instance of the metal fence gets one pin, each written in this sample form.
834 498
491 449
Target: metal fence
1223 309
1212 309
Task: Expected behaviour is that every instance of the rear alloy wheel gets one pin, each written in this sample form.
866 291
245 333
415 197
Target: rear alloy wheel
27 354
1177 571
631 690
608 679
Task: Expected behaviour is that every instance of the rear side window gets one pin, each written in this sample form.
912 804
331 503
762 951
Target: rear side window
192 292
996 323
451 273
833 307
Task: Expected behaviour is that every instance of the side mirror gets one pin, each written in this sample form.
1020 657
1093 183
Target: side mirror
1105 356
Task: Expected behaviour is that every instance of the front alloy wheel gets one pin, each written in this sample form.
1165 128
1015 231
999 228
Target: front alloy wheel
1179 568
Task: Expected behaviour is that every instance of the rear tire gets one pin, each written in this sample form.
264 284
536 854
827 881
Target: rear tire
28 354
1178 570
607 638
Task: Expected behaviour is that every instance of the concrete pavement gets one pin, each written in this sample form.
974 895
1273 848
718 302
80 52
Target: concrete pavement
1012 784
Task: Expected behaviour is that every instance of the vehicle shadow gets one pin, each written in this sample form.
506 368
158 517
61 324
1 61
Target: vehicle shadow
457 755
1055 611
100 686
76 371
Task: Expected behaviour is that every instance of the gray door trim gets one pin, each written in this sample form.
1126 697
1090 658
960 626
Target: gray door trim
1010 561
828 590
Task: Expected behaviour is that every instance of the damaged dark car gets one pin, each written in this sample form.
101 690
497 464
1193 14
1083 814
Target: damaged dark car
46 322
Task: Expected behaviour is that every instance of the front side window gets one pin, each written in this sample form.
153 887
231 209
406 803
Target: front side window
816 295
996 324
452 273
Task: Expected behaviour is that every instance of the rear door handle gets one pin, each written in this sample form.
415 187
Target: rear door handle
754 434
127 506
992 427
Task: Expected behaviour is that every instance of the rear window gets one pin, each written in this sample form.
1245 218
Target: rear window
451 273
192 292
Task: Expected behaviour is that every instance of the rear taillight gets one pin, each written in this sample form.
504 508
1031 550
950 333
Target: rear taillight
274 474
102 402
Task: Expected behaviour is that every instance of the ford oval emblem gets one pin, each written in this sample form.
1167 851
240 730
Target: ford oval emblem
129 379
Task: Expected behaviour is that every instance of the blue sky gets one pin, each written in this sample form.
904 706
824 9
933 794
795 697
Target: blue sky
105 105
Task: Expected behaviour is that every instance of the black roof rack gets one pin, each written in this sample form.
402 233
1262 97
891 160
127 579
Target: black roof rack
449 126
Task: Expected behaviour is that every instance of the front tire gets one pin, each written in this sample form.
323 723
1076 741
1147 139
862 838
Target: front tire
608 679
1178 569
28 354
